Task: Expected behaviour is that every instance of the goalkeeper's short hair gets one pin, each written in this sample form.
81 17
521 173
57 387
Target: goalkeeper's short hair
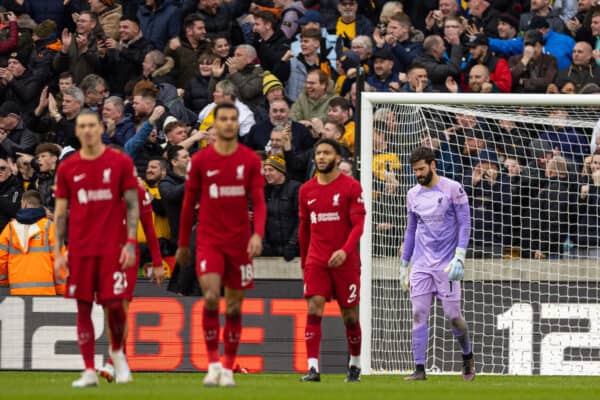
422 153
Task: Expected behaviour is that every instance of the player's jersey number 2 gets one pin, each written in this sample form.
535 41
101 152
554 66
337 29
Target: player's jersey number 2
120 284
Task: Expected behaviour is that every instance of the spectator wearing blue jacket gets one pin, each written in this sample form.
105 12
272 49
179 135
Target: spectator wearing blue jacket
160 21
572 143
397 38
383 78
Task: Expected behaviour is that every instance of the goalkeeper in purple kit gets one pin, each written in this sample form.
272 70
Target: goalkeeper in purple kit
435 244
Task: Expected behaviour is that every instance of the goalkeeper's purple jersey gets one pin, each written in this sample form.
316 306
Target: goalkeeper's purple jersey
439 221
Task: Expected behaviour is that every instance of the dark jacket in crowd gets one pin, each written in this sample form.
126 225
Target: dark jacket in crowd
80 65
61 132
588 234
224 22
125 65
271 51
10 199
19 140
42 57
56 10
172 188
124 130
161 25
260 135
580 75
186 60
438 71
23 90
44 183
535 77
488 21
197 95
281 230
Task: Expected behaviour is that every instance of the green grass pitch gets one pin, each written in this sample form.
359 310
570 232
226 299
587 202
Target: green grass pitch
180 386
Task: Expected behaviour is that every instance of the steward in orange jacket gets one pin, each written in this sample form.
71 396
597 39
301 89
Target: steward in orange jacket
26 252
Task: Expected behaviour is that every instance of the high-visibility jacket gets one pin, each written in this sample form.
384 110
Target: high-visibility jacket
27 259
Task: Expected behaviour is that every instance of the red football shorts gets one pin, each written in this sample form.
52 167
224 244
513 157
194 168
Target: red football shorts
100 279
233 264
343 284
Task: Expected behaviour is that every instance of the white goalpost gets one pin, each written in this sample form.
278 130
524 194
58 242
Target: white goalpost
531 292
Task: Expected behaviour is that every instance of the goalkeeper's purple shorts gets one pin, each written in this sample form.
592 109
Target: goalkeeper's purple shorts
435 283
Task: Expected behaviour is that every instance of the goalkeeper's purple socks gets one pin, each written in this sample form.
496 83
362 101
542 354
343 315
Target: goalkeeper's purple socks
420 339
210 325
463 339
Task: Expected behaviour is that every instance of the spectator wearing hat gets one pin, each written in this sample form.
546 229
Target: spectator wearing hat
397 38
484 16
310 109
279 115
122 61
186 50
196 94
109 15
555 43
291 12
313 20
490 196
497 67
542 8
10 192
440 69
350 23
281 195
160 20
582 70
532 71
508 42
272 88
270 43
296 68
18 84
46 158
383 78
347 68
79 51
15 137
45 47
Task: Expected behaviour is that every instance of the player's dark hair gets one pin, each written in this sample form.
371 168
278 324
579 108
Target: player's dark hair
172 152
333 143
32 197
422 153
87 111
225 106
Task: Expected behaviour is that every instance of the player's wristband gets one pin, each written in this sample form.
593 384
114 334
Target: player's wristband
404 264
134 242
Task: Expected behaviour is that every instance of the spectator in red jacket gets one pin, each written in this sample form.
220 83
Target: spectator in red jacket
498 67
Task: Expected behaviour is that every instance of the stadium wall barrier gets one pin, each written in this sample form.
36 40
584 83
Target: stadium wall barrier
541 334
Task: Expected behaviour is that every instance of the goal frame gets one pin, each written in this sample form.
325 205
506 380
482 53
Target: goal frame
368 101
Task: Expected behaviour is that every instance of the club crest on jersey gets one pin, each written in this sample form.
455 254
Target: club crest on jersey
240 172
313 217
106 175
336 199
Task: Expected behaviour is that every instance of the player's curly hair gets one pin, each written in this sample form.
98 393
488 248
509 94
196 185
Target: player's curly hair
422 153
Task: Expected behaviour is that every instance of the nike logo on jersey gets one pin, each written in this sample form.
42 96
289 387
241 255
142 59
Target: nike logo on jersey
311 201
78 178
212 172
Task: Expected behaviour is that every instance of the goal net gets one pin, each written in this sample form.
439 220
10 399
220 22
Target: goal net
531 289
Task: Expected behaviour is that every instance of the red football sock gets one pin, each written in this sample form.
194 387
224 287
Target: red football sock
312 335
231 338
353 334
117 320
85 333
210 324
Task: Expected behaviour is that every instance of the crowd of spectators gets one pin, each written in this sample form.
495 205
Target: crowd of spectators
291 68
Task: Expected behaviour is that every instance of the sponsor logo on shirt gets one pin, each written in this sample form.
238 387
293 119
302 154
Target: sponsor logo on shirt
87 196
336 199
215 191
324 217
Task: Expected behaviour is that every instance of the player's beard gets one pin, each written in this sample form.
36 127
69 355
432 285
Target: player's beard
426 180
328 168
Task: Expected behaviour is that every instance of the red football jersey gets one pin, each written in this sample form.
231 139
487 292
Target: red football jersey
331 218
223 184
94 190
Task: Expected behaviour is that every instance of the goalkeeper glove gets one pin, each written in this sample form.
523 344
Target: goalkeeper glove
404 275
456 268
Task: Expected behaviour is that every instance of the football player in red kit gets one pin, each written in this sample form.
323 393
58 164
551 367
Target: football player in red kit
332 216
222 178
91 184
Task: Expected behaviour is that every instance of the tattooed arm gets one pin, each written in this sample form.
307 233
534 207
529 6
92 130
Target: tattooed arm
127 258
60 228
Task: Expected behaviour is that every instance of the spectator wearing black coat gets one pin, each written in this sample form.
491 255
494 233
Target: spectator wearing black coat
61 122
45 47
118 127
123 59
14 136
172 187
18 83
438 70
10 193
281 195
279 115
46 157
270 43
588 234
196 94
220 17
